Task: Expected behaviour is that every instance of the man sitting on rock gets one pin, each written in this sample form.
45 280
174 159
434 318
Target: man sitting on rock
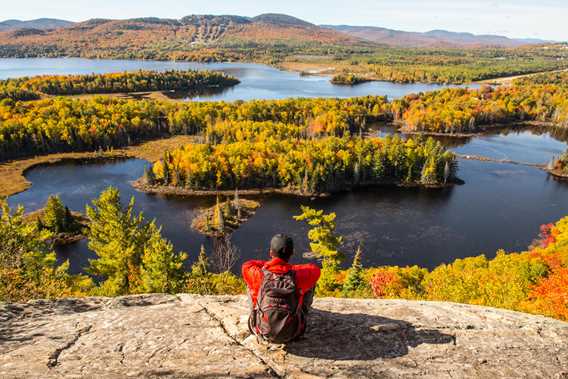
281 294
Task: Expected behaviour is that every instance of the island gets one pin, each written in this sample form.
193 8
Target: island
224 217
348 79
34 88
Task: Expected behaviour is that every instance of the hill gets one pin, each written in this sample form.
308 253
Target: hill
204 35
187 336
434 38
40 24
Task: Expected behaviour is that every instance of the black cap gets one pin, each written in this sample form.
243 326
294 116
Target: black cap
282 244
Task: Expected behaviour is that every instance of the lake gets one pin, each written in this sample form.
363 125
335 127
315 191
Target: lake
499 206
257 81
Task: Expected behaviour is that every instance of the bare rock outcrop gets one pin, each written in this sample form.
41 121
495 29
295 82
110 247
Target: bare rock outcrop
187 336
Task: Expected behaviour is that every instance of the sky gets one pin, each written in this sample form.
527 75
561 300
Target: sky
545 19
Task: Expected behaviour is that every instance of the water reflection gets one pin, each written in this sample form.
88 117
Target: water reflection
257 81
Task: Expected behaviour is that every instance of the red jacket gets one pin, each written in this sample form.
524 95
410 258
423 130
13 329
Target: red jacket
307 275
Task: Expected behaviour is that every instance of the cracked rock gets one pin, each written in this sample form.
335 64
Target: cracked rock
188 336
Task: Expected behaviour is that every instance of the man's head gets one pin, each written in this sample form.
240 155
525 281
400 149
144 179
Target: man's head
282 246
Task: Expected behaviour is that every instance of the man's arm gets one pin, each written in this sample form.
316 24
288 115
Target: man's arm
306 276
252 275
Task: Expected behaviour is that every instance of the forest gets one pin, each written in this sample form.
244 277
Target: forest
306 166
133 257
442 66
465 110
66 124
33 88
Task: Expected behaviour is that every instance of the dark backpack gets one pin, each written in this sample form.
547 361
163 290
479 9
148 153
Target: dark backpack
278 316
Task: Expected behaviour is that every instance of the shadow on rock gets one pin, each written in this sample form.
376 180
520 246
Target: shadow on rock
355 336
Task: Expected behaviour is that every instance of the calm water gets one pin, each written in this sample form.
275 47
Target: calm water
257 81
500 206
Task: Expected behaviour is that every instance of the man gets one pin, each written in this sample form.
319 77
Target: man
280 293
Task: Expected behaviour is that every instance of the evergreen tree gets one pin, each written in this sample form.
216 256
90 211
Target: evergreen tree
118 238
201 266
132 255
162 268
28 268
324 243
54 215
354 279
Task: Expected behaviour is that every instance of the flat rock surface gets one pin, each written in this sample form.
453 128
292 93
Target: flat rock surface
187 336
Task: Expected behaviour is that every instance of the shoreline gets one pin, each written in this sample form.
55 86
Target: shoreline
183 192
483 129
13 172
557 174
306 68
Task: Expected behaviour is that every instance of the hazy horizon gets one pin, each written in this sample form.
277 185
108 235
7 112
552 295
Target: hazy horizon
507 18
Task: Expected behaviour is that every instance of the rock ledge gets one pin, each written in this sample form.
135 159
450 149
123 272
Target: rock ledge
188 336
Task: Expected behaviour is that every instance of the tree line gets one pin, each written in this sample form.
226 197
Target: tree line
466 110
252 155
32 88
66 124
133 257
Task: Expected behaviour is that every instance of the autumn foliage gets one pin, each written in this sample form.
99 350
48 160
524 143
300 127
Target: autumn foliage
534 281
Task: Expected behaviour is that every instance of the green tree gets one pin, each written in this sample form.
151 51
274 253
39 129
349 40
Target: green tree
54 215
201 266
162 268
28 268
132 255
117 236
355 280
324 243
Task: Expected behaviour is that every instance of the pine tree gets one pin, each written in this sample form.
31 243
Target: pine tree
201 266
354 279
54 215
132 255
117 236
162 268
325 244
28 267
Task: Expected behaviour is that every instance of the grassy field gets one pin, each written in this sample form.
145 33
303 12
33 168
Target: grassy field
14 181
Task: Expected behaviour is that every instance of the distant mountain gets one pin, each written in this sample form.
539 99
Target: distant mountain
282 20
213 37
434 38
39 24
166 38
